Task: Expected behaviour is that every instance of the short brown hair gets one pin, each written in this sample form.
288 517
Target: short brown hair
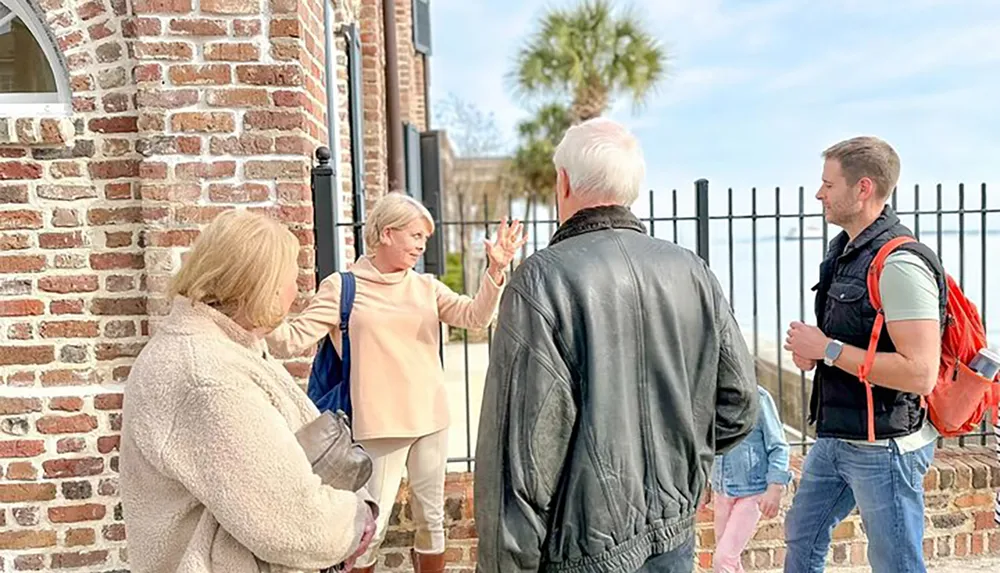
237 265
867 157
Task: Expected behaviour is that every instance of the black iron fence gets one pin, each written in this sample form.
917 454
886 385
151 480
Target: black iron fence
765 248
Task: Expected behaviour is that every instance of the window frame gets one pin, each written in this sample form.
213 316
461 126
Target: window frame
42 104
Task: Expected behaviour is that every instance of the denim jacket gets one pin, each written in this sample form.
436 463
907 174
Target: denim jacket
759 460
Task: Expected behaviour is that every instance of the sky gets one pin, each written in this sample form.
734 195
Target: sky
756 89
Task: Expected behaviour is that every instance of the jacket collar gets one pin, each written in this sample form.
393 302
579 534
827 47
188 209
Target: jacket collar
597 219
886 221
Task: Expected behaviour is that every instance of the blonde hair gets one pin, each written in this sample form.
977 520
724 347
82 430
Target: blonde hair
394 211
237 265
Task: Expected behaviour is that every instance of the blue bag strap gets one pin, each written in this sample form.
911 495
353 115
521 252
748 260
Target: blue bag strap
348 288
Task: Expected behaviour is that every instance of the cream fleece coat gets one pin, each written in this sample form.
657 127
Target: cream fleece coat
213 479
397 382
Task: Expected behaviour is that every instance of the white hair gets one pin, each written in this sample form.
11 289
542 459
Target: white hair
603 161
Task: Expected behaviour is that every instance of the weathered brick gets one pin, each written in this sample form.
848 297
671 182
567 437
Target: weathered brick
26 516
21 448
167 51
117 239
162 6
77 490
246 28
108 444
15 170
61 307
118 306
66 404
13 406
68 284
194 74
119 283
108 401
70 445
115 169
14 540
203 122
29 307
204 170
20 219
275 169
65 218
66 192
171 238
70 329
26 355
114 216
66 240
285 28
232 52
119 124
117 191
80 537
70 468
77 513
19 193
112 351
280 120
287 75
230 7
198 27
26 492
75 424
244 193
114 532
22 471
14 241
244 144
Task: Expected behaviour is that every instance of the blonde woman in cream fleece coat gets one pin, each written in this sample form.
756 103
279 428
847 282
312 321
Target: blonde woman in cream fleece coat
397 382
213 478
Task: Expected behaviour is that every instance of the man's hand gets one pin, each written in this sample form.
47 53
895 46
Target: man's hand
806 341
770 502
802 363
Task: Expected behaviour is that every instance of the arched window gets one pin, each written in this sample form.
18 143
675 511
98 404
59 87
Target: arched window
33 80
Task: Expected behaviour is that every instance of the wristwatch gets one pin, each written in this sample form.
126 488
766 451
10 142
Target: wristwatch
833 350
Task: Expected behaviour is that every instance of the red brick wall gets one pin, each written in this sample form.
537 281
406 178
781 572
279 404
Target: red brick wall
960 490
178 115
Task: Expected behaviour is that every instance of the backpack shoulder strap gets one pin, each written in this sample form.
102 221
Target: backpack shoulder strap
878 265
348 288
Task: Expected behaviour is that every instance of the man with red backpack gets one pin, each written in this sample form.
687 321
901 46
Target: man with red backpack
874 441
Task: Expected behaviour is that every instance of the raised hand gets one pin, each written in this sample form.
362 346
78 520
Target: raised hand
502 249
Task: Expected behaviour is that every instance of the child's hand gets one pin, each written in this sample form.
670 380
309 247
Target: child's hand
770 502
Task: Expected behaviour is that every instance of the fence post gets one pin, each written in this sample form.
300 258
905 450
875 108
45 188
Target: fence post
701 210
324 215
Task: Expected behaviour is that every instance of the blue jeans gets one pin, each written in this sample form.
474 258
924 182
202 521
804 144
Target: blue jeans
680 560
886 486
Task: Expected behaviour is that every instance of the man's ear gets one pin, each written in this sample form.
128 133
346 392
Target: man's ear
866 188
562 183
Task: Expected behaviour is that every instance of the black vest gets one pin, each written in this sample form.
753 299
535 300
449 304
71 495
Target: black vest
839 405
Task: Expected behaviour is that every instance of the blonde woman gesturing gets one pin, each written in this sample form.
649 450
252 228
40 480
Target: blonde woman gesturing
400 407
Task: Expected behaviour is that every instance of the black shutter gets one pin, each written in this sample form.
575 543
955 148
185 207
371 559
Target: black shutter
356 101
432 185
422 26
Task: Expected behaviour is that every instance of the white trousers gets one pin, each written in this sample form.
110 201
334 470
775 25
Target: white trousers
425 460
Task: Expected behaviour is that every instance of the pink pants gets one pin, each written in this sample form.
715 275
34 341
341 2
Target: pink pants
735 523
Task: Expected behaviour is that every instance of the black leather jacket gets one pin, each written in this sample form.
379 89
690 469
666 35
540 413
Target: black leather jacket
616 374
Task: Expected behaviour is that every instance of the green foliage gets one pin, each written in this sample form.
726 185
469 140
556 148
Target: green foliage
587 54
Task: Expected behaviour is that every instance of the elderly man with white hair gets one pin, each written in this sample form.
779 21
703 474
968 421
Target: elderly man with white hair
616 375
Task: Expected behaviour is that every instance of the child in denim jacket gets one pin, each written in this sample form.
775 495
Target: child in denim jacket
748 482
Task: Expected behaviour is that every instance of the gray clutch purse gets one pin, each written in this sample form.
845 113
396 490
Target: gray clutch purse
335 457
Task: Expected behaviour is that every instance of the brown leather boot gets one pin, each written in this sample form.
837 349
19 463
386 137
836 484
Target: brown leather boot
427 562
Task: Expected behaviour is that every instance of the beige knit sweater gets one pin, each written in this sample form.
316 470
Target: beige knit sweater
397 382
213 479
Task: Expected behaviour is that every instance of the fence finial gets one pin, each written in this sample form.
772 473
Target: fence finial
323 155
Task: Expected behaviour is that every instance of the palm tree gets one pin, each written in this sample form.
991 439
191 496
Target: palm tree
590 54
532 174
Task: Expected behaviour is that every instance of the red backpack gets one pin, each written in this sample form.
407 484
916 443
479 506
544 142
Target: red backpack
961 397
